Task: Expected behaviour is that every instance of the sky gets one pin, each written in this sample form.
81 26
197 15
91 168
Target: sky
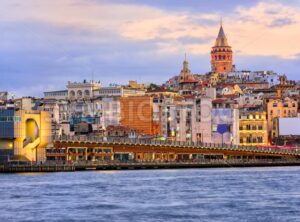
45 44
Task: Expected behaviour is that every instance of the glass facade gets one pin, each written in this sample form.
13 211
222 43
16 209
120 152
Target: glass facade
7 123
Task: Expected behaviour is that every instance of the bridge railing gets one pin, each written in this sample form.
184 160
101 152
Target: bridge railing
88 163
147 142
174 162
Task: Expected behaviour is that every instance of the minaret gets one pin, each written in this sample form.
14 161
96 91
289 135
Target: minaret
221 54
185 73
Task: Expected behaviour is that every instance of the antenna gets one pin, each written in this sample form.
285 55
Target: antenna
93 99
221 21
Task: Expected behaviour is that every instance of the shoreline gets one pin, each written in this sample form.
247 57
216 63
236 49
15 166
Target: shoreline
143 166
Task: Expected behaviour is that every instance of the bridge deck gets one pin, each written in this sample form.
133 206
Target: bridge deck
143 145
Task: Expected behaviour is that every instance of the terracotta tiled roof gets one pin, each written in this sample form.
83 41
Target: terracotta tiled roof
219 100
248 106
189 81
230 96
188 96
226 85
160 90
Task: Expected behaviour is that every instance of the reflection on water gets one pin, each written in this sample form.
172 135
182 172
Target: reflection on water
109 172
237 194
31 173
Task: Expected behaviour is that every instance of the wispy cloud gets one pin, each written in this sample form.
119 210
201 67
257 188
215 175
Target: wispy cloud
51 42
280 22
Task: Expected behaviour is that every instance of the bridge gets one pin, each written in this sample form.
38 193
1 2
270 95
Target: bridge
49 166
88 148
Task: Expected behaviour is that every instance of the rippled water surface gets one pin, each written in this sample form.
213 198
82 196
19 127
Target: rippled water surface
236 194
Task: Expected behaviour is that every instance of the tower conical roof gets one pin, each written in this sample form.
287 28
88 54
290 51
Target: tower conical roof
221 40
221 33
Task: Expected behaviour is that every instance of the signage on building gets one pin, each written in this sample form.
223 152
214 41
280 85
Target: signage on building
222 128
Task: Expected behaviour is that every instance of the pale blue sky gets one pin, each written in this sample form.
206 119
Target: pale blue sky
44 44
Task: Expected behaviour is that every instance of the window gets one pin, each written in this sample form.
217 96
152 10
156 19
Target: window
107 150
3 119
248 139
87 93
79 93
10 119
259 139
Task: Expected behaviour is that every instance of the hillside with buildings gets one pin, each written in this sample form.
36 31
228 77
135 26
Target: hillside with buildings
222 106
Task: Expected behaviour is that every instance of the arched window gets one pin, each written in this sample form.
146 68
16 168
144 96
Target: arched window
86 93
72 93
79 93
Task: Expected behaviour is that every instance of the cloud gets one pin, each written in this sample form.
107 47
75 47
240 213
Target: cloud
46 43
248 30
282 22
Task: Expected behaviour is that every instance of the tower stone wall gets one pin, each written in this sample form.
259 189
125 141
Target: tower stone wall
221 54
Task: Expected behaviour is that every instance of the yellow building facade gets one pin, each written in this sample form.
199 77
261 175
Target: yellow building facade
253 128
279 107
26 132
